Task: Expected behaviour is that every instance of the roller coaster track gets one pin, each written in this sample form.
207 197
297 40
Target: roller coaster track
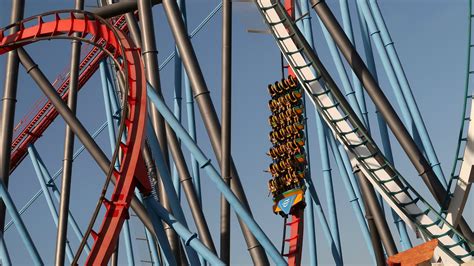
461 174
61 25
364 153
34 124
295 240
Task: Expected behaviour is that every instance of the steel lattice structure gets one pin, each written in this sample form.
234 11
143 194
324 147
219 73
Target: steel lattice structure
154 157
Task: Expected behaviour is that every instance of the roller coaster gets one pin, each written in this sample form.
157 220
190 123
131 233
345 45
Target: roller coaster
150 157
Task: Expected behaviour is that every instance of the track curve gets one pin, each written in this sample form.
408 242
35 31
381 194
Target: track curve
62 24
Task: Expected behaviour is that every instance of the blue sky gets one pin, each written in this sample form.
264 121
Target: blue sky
430 37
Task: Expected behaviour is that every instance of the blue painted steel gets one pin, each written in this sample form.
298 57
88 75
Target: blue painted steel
189 95
111 108
400 224
305 26
211 171
177 104
332 232
384 58
346 84
152 247
359 92
4 256
190 111
180 73
351 97
160 232
328 184
53 178
43 183
406 90
190 239
354 199
22 231
168 184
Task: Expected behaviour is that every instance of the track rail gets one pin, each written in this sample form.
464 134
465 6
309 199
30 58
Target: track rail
31 128
461 174
295 240
364 153
62 24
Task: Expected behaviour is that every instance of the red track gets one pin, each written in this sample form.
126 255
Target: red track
119 45
37 124
297 221
296 237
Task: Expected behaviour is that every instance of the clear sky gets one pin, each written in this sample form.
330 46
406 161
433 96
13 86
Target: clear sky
430 37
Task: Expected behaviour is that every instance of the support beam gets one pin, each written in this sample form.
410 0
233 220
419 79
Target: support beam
120 8
201 94
43 180
383 130
61 237
189 190
20 225
188 237
383 105
372 203
79 130
212 173
150 59
7 114
226 125
374 237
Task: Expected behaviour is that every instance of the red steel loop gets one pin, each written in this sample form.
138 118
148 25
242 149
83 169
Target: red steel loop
31 127
114 43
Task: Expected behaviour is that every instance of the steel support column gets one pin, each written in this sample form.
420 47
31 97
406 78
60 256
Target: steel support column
376 211
61 237
201 94
305 26
348 183
381 102
7 115
79 130
226 125
383 130
43 180
215 177
150 58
